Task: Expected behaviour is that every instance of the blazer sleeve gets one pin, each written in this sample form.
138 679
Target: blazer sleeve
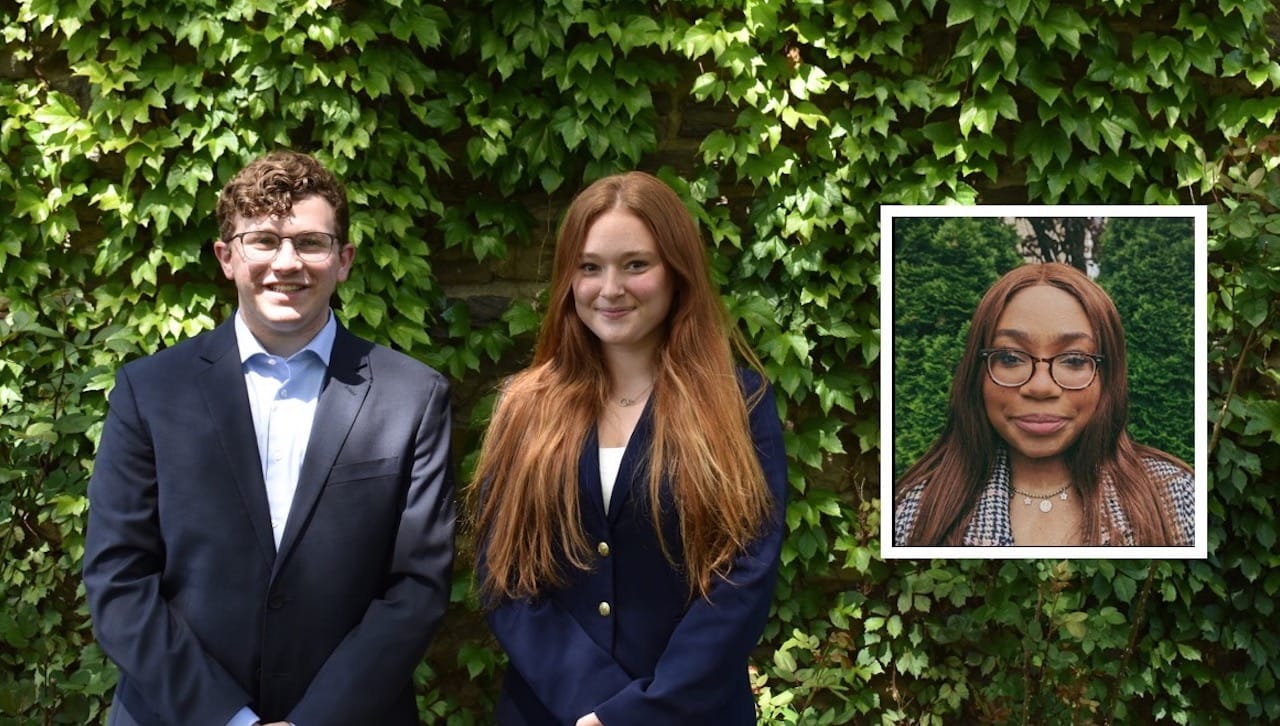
367 670
716 636
123 561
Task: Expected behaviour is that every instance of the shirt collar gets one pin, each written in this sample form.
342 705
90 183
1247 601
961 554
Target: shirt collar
321 344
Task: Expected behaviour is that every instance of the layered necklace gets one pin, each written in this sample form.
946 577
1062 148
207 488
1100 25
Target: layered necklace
1046 500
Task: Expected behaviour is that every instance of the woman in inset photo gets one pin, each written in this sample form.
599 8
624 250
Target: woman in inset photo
1035 448
630 490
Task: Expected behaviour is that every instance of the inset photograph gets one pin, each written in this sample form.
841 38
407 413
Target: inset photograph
1043 370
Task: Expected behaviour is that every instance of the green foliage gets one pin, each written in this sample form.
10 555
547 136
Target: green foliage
1244 242
56 362
463 128
942 267
1149 272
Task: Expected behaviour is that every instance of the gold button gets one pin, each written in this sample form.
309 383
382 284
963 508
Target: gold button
605 609
603 549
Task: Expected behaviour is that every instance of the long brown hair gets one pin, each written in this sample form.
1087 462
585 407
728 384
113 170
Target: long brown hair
525 489
956 467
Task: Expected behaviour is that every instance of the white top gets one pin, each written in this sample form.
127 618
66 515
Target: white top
610 461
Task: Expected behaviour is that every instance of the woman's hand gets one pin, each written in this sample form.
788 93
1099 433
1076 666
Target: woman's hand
589 720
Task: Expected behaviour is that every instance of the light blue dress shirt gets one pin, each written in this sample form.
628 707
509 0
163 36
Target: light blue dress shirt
282 399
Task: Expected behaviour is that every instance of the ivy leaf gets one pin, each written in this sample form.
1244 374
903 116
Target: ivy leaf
785 661
1263 417
1265 532
1125 587
961 11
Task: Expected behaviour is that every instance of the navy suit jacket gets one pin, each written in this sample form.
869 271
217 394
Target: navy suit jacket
626 640
188 593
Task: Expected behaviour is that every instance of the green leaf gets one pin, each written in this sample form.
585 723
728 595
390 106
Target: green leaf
1125 587
1263 417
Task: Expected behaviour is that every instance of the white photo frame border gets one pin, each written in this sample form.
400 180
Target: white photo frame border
1199 215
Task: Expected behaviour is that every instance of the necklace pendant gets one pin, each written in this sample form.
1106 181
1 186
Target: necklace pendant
626 402
1064 495
1026 501
1045 505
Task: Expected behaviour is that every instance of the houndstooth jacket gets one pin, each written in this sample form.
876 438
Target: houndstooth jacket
990 525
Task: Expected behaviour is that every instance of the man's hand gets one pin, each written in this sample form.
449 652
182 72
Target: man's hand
589 720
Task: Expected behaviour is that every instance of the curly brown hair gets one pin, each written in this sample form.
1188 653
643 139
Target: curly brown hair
272 184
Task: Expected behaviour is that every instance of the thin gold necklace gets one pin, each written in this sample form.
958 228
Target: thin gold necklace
624 401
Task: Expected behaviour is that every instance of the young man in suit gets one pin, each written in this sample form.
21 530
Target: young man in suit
271 519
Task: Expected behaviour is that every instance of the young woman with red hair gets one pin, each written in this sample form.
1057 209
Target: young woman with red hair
1035 449
630 490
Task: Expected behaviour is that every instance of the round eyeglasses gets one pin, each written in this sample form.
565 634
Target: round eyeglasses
1011 368
264 245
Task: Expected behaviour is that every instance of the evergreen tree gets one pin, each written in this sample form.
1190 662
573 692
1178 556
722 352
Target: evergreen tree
1149 271
941 268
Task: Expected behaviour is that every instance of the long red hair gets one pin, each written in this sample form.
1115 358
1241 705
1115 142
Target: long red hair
525 490
956 467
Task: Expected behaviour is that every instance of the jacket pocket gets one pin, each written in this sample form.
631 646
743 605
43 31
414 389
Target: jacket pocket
357 471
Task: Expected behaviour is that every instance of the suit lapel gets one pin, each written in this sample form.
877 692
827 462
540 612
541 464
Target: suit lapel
589 486
632 471
223 388
341 395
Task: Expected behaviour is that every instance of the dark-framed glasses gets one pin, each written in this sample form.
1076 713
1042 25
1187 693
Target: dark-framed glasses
1011 368
264 245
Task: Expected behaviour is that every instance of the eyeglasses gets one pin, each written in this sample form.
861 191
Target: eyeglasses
1013 368
264 245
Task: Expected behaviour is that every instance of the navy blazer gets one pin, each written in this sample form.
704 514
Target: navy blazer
627 640
188 594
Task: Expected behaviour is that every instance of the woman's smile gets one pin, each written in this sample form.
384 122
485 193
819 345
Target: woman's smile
1040 424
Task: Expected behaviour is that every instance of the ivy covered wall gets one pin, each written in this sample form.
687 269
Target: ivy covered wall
464 127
